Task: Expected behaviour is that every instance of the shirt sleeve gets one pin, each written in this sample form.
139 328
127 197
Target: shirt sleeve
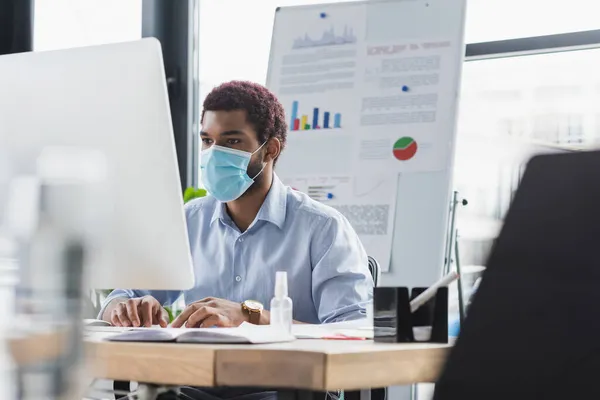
342 283
164 297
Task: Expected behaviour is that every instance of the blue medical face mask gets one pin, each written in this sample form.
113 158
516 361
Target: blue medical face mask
225 172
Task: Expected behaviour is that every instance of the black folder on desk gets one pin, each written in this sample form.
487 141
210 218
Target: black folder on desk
533 329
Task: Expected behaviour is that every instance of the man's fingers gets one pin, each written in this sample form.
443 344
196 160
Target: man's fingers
132 312
114 319
147 312
207 302
183 317
199 316
160 317
163 320
215 320
122 315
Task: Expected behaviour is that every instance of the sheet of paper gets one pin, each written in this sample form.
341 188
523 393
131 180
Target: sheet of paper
408 106
351 329
359 100
367 201
313 71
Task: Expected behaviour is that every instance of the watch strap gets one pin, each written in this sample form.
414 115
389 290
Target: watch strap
254 317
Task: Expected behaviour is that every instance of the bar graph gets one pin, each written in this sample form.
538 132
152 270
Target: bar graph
300 122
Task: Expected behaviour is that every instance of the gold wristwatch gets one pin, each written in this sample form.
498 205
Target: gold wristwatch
254 309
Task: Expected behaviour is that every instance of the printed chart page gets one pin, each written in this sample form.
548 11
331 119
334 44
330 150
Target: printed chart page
368 202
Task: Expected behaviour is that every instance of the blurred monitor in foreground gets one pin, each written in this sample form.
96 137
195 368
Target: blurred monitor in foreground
112 99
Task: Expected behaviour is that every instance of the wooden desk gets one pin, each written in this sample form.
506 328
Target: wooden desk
317 365
161 363
323 365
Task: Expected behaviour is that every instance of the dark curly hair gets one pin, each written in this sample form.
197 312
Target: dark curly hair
264 112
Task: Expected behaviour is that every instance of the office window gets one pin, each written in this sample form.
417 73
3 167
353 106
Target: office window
490 20
511 109
235 45
61 24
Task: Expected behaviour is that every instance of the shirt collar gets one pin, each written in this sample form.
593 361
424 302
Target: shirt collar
272 210
219 213
274 207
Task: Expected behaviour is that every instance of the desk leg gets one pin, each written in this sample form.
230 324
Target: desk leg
414 392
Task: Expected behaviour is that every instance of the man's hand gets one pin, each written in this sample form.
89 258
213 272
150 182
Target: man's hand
141 311
212 312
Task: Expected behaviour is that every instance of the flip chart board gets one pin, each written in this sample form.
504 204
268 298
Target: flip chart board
370 90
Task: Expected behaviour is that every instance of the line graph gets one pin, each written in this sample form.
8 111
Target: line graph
328 38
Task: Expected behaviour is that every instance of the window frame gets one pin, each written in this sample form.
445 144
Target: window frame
175 25
534 45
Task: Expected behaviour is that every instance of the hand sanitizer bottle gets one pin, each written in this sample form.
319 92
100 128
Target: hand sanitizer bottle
281 305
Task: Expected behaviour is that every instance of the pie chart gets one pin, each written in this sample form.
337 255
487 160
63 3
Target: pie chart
405 148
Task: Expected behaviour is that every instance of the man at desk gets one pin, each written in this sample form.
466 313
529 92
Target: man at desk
251 226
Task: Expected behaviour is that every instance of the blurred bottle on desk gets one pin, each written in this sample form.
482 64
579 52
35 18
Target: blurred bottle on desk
52 215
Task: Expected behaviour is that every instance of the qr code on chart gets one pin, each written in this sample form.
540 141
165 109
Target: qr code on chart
366 219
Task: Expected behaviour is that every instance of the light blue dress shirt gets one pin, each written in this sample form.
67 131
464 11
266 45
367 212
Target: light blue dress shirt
326 264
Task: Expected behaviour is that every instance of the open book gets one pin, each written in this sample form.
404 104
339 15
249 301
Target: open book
245 333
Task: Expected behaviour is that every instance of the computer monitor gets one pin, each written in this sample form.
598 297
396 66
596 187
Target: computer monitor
112 98
533 327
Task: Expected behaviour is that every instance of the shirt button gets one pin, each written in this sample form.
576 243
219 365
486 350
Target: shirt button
240 240
238 278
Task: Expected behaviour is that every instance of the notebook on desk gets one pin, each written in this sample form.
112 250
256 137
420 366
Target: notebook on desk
244 334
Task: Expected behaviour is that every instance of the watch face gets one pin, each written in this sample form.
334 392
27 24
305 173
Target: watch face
253 305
